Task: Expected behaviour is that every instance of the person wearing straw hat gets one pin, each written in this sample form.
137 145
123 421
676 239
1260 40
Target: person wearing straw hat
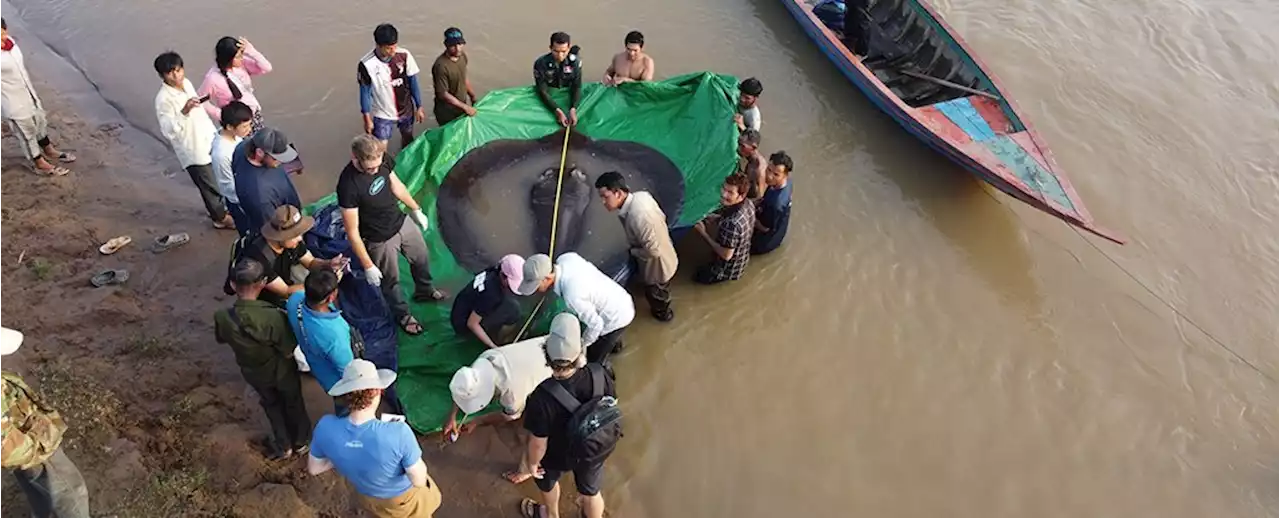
259 335
488 303
549 455
381 459
32 434
510 373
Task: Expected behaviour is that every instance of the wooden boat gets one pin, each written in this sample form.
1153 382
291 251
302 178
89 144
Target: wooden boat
919 71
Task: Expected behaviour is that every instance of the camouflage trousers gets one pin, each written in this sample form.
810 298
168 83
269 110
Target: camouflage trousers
55 488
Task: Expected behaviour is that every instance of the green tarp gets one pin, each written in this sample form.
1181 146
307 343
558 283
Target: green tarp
687 118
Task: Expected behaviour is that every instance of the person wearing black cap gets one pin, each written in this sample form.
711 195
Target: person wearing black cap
259 335
262 184
559 68
449 76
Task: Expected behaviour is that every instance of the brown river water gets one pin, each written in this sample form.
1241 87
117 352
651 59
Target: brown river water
922 346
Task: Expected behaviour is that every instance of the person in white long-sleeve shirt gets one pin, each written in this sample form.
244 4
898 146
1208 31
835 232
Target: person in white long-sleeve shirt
20 106
190 133
603 306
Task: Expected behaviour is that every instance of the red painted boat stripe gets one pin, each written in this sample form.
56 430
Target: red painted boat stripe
939 123
991 112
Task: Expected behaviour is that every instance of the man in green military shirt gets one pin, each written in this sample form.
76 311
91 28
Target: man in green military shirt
32 433
559 68
259 334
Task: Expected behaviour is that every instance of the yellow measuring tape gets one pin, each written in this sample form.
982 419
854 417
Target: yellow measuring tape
555 222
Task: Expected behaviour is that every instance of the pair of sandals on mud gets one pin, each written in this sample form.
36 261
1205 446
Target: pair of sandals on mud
410 325
55 169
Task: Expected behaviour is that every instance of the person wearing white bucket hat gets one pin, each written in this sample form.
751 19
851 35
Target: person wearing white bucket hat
380 458
510 372
32 447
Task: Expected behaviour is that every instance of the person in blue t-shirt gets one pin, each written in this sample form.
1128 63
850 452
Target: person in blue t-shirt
323 335
775 207
381 459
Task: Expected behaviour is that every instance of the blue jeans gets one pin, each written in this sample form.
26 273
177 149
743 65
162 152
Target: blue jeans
55 488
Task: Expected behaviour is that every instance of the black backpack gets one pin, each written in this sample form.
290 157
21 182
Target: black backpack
595 425
237 251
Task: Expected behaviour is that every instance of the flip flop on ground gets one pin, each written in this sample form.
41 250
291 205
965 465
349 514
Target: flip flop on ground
56 170
226 224
109 277
66 157
164 243
430 295
410 325
532 509
114 245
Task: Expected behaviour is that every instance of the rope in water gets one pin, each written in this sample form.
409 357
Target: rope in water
1177 312
555 222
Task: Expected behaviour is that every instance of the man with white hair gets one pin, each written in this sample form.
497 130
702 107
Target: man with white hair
32 447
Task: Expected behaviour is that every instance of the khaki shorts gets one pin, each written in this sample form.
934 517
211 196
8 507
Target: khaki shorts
417 502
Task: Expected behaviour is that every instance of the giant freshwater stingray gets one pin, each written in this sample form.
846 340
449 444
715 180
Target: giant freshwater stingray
499 199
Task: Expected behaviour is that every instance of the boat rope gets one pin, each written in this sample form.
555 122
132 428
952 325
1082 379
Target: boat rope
555 222
1177 312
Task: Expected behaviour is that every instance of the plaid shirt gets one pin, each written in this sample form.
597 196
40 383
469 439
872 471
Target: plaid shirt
736 225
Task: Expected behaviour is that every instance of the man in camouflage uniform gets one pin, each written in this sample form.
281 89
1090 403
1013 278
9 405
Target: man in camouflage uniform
32 433
559 68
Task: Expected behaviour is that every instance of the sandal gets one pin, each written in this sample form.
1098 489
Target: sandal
226 224
431 295
56 170
164 243
411 325
109 277
532 509
66 157
114 245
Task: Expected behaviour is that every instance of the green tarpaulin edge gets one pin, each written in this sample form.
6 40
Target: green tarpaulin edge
688 118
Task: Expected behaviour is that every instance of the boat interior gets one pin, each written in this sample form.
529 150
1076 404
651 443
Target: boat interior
901 40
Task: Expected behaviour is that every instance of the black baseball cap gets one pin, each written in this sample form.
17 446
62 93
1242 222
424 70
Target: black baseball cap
453 36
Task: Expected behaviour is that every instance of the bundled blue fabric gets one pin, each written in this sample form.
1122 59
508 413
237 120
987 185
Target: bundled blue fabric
831 13
362 303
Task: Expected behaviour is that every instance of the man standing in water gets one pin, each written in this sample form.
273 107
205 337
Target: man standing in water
751 163
748 116
559 68
389 93
632 64
449 76
647 235
731 243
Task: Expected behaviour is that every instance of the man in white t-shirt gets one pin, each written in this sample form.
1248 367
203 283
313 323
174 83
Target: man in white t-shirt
190 133
237 123
389 93
510 372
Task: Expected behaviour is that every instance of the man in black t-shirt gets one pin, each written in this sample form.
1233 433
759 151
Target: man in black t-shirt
279 247
488 302
547 420
369 193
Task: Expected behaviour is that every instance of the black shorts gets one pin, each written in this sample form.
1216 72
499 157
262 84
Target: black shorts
587 478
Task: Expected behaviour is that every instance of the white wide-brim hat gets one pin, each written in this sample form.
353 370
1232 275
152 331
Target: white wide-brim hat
362 375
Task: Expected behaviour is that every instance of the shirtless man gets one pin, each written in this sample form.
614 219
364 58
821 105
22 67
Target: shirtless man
751 163
631 64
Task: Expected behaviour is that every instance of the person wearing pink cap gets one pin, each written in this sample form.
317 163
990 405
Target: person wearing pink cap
488 303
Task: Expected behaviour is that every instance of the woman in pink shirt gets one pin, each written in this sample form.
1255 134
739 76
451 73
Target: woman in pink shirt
231 79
